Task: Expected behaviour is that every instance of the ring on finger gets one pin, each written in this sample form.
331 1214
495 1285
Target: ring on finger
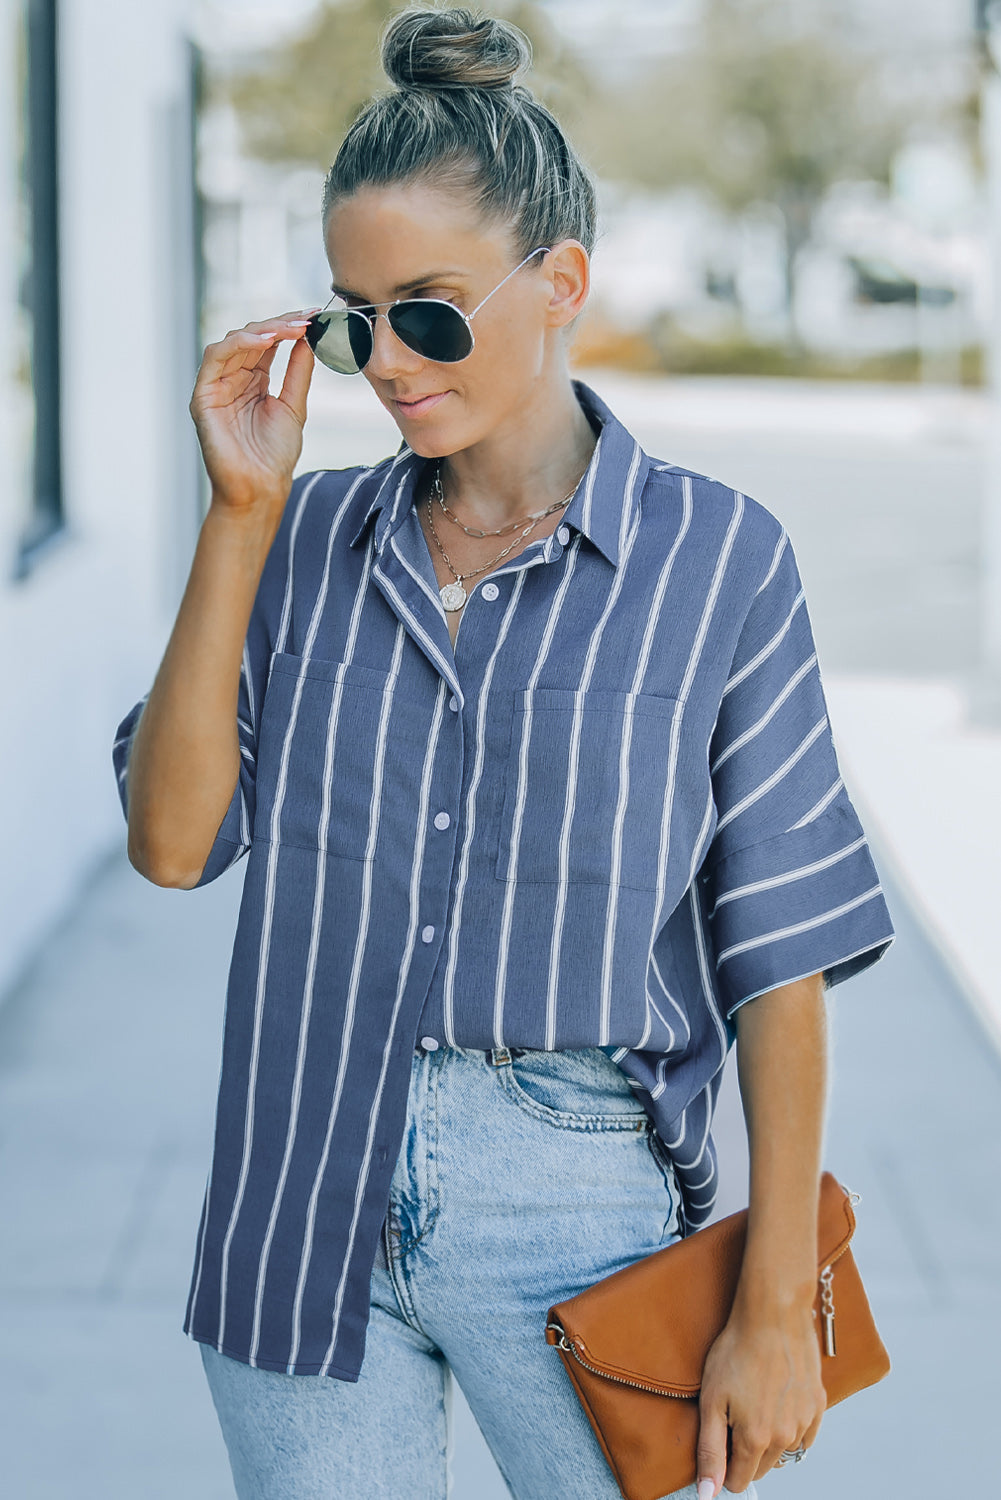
791 1456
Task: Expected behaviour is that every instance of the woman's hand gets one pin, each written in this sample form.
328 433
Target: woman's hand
251 440
762 1380
762 1375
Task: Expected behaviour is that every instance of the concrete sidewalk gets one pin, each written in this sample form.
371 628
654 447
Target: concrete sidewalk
929 783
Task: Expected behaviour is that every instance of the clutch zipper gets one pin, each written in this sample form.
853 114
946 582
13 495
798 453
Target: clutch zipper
655 1390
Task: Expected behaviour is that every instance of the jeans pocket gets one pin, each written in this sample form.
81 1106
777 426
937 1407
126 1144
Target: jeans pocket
578 1089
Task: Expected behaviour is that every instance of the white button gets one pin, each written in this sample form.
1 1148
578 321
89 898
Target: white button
429 1043
453 704
427 933
490 591
563 535
442 820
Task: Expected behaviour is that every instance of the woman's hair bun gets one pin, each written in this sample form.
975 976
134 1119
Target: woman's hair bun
453 49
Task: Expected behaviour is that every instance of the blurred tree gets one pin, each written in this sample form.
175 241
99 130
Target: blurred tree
771 103
296 104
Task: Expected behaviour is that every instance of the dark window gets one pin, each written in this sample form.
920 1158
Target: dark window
39 282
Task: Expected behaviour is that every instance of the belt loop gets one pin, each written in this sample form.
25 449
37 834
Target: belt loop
499 1057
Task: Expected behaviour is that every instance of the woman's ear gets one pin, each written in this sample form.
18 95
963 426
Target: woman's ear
570 272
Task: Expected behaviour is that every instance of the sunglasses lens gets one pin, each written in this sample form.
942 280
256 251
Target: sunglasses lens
432 329
340 339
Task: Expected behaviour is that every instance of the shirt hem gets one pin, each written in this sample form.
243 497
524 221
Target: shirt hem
280 1367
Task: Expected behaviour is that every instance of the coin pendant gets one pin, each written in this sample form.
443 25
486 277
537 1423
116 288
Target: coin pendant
453 595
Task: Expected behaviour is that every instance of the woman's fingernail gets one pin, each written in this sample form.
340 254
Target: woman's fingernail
707 1488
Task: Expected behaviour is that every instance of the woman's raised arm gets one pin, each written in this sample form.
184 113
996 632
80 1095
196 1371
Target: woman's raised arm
184 758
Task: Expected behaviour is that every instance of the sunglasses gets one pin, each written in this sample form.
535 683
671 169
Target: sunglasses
342 337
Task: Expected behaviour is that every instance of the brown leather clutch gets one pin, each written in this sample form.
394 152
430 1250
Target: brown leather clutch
634 1344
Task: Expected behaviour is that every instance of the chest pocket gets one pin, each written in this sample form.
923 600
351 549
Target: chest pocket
330 772
587 780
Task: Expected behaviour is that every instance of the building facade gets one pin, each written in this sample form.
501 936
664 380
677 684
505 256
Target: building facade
101 499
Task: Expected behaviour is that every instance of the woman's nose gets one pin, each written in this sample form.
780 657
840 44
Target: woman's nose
389 353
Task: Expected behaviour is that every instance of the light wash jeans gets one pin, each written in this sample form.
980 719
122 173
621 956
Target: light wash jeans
523 1177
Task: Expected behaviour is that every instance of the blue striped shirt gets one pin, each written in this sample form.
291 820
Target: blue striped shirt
609 817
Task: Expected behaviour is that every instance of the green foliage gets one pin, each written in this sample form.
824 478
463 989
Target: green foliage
665 349
769 104
296 105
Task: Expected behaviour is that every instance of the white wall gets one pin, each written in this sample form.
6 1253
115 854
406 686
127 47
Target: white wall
83 632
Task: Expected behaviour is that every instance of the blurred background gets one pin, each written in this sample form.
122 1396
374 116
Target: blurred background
795 290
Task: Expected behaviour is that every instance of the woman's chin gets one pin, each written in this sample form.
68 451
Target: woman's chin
431 442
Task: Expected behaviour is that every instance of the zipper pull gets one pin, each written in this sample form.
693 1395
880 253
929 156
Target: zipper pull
827 1309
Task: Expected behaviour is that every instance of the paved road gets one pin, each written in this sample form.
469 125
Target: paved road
109 1059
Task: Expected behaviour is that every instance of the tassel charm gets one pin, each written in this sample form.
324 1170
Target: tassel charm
827 1309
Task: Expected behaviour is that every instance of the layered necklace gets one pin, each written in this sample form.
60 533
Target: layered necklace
453 596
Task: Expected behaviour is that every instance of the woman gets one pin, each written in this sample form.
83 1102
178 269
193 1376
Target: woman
524 734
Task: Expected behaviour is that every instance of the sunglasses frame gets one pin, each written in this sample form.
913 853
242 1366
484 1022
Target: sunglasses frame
373 308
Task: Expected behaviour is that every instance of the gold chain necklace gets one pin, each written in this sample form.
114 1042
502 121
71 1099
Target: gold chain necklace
534 515
453 596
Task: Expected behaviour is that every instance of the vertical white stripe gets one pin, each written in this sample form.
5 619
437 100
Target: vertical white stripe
705 973
271 877
701 845
479 759
248 687
693 660
622 801
313 950
351 1002
285 619
666 819
570 799
416 874
511 888
587 505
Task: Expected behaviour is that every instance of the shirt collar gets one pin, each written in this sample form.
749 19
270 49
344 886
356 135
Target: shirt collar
602 508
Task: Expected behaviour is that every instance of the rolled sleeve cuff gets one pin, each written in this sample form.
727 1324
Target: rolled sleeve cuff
233 837
804 902
120 752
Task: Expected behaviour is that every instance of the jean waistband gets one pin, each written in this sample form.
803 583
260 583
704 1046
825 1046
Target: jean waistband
428 1046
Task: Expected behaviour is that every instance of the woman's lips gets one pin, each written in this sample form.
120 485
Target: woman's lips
418 408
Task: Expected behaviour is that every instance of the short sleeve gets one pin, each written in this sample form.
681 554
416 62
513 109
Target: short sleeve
793 889
270 607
